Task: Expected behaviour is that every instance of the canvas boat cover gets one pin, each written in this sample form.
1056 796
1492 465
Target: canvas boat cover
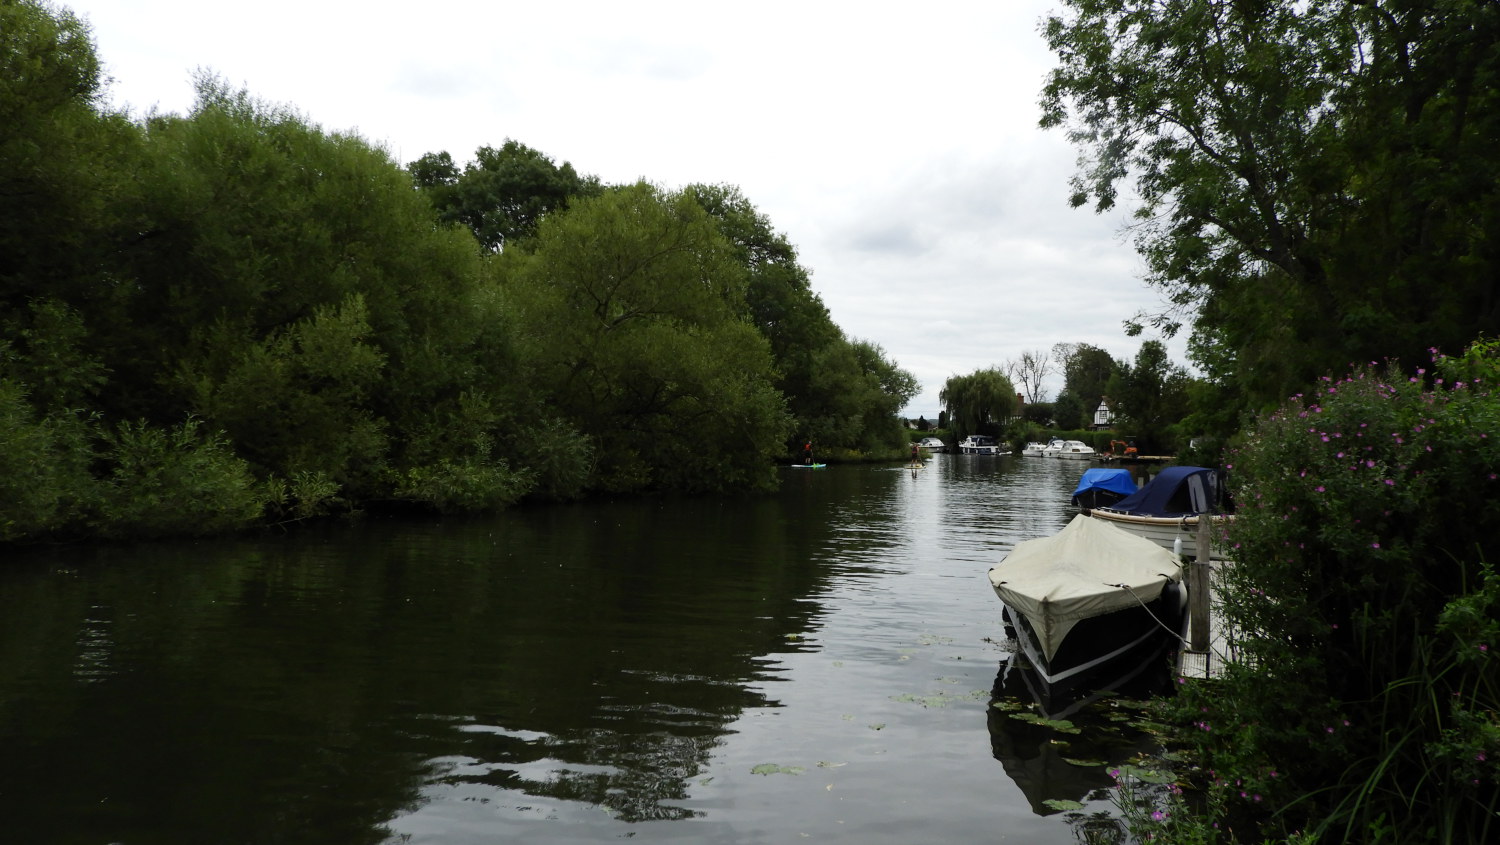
1113 480
1088 569
1174 492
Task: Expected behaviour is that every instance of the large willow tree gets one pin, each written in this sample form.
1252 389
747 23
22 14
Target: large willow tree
978 403
1317 180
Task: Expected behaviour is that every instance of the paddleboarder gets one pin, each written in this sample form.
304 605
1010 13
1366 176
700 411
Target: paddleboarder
807 453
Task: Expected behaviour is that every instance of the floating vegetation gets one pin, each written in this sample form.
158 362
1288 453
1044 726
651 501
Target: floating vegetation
938 700
1062 804
941 699
1006 705
773 769
1129 772
933 639
824 764
878 726
1059 725
1087 764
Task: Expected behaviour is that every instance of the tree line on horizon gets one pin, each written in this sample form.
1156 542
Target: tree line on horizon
231 315
1150 397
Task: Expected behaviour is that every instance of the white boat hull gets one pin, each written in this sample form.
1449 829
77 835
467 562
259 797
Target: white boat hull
1166 531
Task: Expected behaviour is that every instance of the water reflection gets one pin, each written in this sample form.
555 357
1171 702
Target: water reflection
614 669
1059 742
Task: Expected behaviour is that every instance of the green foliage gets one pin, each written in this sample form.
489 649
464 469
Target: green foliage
978 403
45 485
62 158
347 340
471 486
1362 593
297 402
1150 395
633 312
1314 178
562 459
1070 411
502 194
177 481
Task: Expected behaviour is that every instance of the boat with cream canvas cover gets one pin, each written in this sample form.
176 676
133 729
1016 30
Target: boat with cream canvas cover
1089 569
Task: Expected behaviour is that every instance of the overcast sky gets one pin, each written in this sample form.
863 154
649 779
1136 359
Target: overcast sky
894 144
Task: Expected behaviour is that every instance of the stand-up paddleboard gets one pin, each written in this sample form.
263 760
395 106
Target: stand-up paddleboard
807 466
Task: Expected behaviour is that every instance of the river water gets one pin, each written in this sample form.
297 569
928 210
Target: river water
819 664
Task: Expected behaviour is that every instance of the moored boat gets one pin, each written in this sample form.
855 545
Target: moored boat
1033 449
1168 509
1087 595
1075 450
1103 486
981 444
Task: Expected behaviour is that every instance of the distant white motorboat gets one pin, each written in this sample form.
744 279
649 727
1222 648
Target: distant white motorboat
1074 450
932 445
1033 450
981 444
1052 447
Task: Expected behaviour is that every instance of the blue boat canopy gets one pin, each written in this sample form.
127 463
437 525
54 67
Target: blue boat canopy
1176 491
1116 481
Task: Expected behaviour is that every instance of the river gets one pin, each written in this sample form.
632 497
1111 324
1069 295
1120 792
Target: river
815 665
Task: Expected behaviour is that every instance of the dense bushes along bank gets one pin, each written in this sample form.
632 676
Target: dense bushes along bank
214 319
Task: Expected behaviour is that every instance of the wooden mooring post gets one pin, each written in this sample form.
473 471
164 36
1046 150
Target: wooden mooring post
1198 586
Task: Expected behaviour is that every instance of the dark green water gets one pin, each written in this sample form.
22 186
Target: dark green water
814 665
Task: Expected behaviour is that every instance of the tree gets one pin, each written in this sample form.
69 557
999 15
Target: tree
632 308
1151 394
502 193
1029 371
978 403
1086 370
1317 180
781 301
64 161
295 292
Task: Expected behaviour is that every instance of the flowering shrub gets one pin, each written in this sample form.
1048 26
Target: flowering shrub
1365 702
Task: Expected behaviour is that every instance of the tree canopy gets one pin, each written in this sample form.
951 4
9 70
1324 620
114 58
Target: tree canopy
1316 180
232 315
978 403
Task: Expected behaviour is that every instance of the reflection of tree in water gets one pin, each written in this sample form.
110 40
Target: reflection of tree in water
634 768
634 777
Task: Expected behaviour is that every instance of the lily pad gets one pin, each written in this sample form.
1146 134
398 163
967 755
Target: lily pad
938 700
1129 772
773 769
1062 804
1087 764
1059 725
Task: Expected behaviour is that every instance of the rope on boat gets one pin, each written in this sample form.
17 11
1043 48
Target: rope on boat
1179 637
